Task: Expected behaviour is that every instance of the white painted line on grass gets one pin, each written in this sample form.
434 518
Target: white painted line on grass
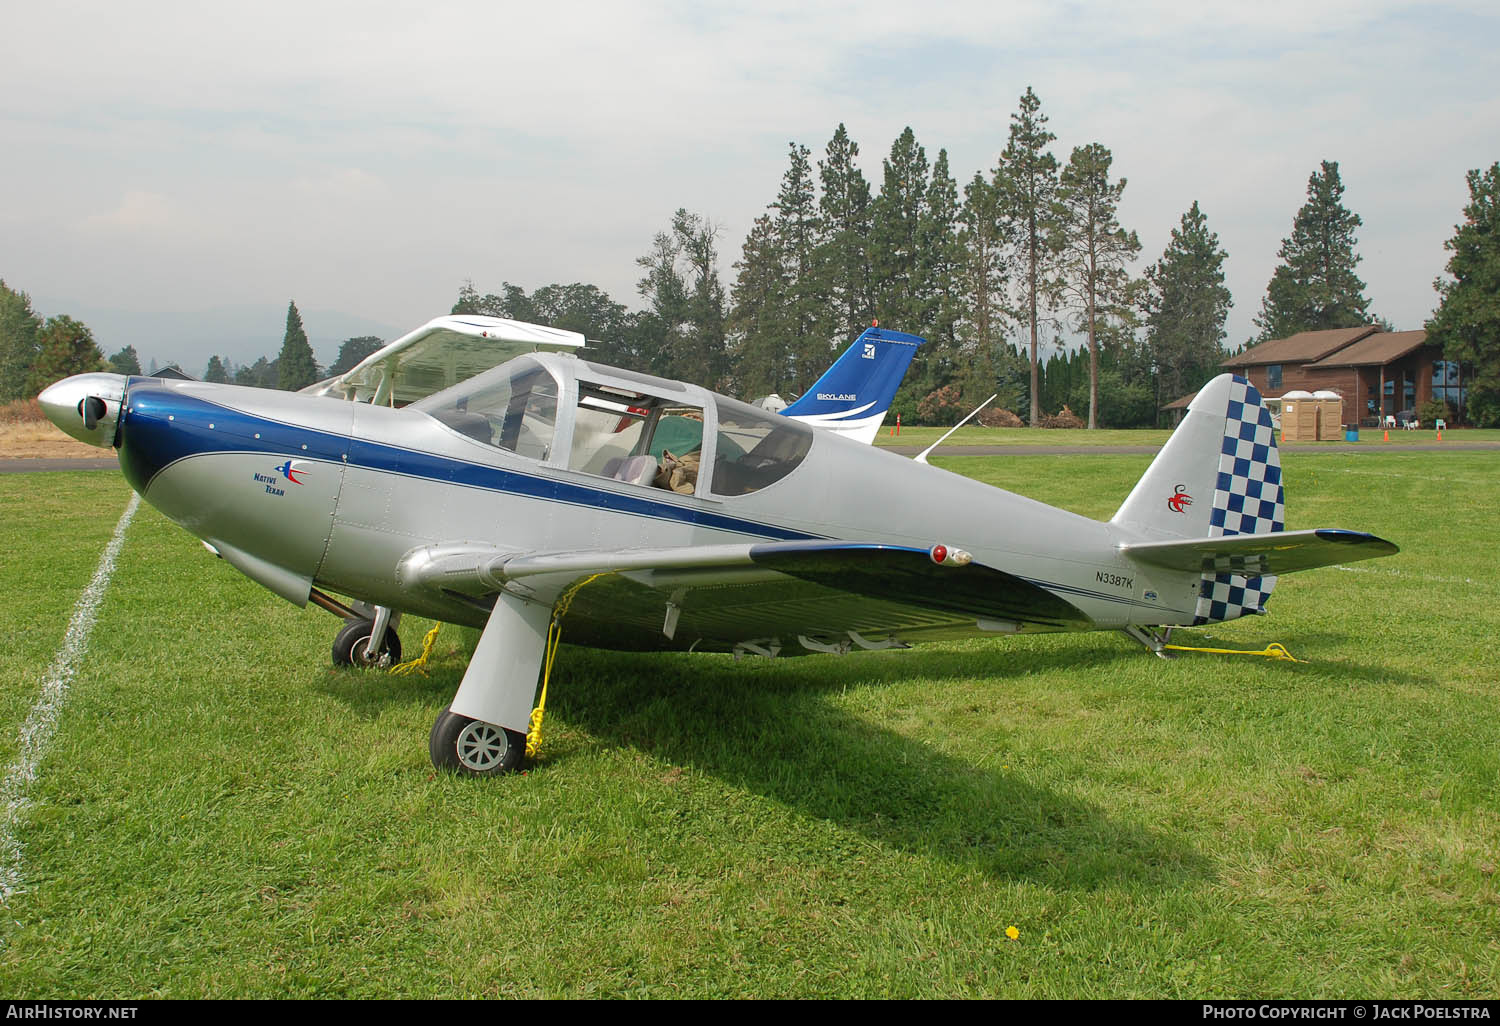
41 722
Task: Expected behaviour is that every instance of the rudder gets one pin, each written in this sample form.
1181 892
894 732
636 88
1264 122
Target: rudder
1219 474
853 395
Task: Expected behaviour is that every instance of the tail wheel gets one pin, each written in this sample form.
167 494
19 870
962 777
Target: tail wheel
474 747
351 646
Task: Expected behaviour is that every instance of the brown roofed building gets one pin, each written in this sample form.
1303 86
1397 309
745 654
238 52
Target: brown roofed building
1377 373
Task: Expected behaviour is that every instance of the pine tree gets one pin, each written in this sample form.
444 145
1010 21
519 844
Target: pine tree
1186 303
295 367
983 240
64 347
1027 179
804 304
940 262
1315 287
764 360
125 361
843 258
896 237
1092 248
1467 321
216 372
19 326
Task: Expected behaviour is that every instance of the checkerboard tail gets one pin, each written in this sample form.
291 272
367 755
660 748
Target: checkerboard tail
1219 474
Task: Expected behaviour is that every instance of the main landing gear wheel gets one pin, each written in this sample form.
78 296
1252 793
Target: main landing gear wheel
351 646
473 747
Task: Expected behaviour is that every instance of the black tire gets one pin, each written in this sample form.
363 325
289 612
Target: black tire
473 747
351 646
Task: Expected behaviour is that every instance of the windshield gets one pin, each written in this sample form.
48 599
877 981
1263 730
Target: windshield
513 408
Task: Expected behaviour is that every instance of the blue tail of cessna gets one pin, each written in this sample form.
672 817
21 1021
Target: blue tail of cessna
852 396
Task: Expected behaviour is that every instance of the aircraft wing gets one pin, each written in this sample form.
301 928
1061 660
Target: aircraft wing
1255 555
441 353
719 597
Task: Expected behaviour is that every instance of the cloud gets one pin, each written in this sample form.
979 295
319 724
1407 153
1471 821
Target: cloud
373 155
138 212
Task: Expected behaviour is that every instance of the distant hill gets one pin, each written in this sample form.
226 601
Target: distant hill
241 333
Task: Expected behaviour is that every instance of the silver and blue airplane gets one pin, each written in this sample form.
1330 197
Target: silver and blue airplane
656 515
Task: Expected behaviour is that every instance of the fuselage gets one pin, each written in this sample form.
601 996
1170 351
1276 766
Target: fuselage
302 491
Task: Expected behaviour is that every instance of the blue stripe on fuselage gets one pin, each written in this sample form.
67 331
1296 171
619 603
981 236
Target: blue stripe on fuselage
164 426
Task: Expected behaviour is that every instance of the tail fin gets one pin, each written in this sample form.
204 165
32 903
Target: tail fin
1219 474
852 396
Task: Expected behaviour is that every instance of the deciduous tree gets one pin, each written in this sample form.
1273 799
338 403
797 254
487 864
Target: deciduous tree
64 347
19 326
353 350
686 298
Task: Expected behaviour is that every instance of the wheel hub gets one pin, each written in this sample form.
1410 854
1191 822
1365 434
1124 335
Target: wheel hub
481 746
363 657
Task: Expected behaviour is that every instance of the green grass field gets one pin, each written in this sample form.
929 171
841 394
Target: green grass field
222 814
912 436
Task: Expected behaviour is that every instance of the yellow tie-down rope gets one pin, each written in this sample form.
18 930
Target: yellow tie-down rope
419 664
554 637
1274 650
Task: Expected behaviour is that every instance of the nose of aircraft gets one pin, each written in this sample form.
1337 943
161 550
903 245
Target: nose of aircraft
86 406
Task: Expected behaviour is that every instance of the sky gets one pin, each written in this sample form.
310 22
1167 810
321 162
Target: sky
173 173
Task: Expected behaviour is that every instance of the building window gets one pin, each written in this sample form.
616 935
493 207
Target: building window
1273 375
1447 384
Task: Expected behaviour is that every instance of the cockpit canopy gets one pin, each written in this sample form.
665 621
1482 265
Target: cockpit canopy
605 422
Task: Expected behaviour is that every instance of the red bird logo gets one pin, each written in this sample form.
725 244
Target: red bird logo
1179 500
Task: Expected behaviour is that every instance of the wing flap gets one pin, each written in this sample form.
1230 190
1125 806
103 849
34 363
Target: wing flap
1254 555
909 576
726 594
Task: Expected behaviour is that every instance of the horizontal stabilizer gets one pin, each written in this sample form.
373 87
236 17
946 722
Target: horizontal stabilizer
1255 555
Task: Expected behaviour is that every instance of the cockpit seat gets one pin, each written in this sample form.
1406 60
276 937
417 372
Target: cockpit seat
636 470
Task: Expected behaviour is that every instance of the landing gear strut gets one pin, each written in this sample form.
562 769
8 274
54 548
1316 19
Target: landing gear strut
483 732
1155 639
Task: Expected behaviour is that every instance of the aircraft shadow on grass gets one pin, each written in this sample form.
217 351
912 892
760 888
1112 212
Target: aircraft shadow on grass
774 731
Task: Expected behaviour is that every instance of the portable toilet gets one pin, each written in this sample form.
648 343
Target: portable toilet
1299 417
1330 415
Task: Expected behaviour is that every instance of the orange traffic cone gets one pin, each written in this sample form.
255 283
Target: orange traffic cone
1440 435
1387 435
